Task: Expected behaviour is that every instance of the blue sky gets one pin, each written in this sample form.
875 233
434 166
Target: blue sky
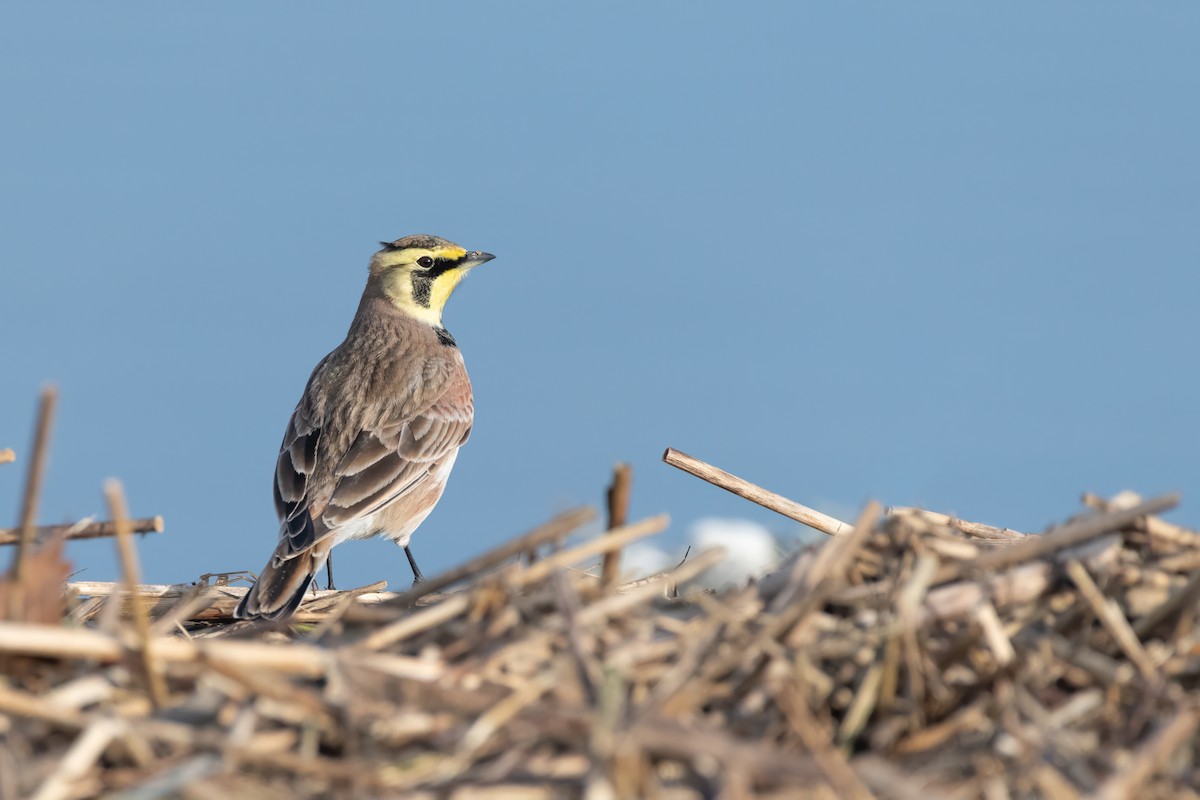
942 255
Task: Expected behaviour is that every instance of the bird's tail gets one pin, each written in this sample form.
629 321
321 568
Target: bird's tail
281 585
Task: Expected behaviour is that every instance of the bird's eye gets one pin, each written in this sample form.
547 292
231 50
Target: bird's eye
425 261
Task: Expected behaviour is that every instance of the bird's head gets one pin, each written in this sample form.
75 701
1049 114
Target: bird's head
418 273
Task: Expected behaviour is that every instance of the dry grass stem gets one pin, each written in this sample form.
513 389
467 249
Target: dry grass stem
618 511
91 530
132 575
755 494
913 655
33 478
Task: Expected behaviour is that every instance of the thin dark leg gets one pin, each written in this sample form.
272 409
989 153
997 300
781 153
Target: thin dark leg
329 571
412 562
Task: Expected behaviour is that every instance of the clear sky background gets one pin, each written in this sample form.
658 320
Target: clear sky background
941 254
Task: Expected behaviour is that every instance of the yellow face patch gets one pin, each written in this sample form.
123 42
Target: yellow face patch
409 284
442 287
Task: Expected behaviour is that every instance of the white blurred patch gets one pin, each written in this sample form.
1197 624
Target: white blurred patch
641 559
751 549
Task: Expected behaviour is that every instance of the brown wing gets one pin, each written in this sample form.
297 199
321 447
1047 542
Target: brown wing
392 449
388 461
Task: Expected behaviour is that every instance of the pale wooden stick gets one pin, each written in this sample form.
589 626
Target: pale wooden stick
1068 535
827 568
106 588
756 494
1185 597
976 529
586 665
499 715
614 604
413 624
838 773
221 599
553 530
21 704
1151 756
33 479
7 456
184 609
860 709
166 591
612 540
618 511
993 633
684 742
835 558
1157 527
132 577
1017 585
83 754
294 659
92 530
1111 617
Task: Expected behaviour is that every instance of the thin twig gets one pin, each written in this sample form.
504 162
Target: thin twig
131 573
86 749
618 511
756 494
1157 527
1113 620
92 530
1151 756
33 478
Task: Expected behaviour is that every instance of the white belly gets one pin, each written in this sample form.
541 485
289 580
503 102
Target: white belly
377 524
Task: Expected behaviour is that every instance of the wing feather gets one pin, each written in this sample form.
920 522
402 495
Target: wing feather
391 450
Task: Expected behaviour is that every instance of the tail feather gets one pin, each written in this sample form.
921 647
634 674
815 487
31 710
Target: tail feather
280 587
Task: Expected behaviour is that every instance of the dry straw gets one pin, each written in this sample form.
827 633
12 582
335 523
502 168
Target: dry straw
910 655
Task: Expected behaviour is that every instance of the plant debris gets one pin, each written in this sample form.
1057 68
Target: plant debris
912 655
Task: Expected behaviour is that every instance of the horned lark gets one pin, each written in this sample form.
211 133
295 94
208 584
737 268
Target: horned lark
372 440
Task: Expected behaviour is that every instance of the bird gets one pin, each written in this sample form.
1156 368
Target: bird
370 445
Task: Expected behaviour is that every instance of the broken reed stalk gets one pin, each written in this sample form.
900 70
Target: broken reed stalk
1157 527
79 760
470 673
7 456
618 512
33 479
131 574
756 494
552 531
1151 756
292 658
1069 535
91 530
976 529
1112 618
613 540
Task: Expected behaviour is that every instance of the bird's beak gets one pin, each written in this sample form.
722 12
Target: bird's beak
475 258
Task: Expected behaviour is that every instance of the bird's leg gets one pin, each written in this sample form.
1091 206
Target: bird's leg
329 572
412 562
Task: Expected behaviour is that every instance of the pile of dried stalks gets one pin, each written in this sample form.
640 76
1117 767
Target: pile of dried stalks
911 655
